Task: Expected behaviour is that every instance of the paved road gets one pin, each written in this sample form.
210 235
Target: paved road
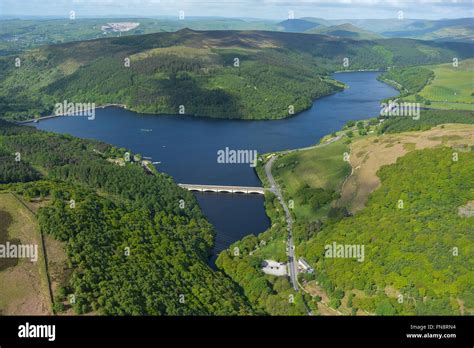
276 190
289 221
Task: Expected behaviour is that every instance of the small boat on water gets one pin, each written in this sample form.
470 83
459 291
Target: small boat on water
156 162
146 130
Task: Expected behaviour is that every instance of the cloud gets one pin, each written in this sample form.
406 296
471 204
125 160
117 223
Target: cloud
277 9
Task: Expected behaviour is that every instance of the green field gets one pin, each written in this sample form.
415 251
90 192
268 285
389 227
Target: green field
451 88
299 172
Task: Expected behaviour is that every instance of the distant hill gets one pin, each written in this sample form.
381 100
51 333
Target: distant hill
20 34
460 29
225 74
297 25
457 33
346 30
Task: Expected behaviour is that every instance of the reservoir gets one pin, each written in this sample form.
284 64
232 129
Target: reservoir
186 147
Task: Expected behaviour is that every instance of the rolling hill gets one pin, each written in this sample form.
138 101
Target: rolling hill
346 30
297 25
460 29
225 74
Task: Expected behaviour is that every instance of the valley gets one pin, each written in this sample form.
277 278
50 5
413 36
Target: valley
322 202
222 74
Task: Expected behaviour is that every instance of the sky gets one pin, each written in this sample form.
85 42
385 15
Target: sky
268 9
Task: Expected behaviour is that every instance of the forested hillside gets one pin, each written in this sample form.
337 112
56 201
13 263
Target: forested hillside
418 255
136 243
408 80
227 74
428 119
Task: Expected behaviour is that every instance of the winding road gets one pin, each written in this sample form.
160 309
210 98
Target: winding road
289 221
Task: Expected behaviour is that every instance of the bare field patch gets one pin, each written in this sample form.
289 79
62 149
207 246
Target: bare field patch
467 210
371 155
24 289
57 263
315 290
179 51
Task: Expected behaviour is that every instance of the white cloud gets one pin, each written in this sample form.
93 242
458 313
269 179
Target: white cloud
277 9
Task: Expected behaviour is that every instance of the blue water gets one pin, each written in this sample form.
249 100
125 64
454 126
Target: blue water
187 146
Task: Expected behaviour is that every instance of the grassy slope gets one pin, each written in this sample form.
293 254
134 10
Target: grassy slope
370 153
452 87
317 168
446 87
196 69
24 289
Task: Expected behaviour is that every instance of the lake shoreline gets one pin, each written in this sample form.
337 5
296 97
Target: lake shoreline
187 146
42 118
124 106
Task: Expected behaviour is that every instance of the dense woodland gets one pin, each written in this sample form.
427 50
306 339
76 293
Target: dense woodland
408 80
133 248
408 251
428 119
275 71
